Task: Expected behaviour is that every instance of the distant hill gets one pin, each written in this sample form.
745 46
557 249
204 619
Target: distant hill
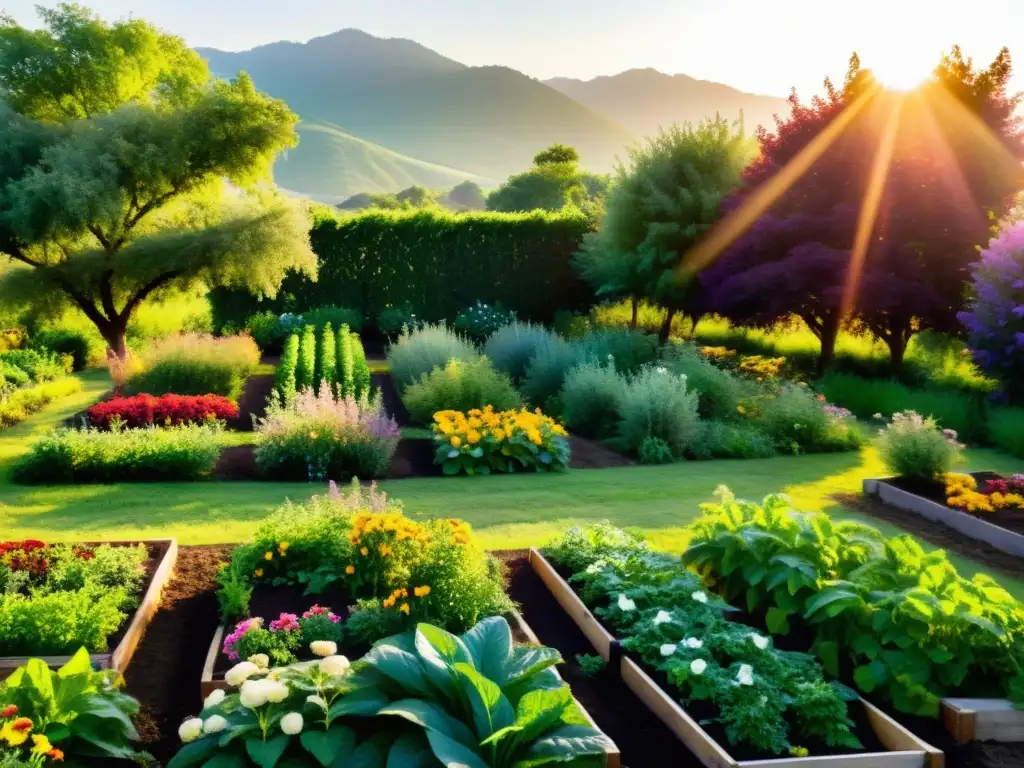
474 121
641 100
330 164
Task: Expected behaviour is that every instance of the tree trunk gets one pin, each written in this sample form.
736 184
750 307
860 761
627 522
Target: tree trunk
897 342
636 313
696 319
829 334
666 327
114 335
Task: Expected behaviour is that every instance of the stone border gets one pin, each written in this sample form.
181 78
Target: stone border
969 525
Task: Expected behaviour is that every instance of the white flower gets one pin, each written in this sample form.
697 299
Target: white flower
668 649
661 369
316 701
215 724
261 660
596 567
190 730
693 642
253 693
878 416
323 648
215 698
699 596
759 640
336 666
276 691
291 723
625 604
663 617
239 673
746 675
697 666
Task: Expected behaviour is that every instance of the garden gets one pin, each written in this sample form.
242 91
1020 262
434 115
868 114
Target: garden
638 482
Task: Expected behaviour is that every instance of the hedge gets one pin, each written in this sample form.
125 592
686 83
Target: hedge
432 261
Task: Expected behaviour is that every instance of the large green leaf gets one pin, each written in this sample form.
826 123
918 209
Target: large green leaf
411 750
452 754
79 664
266 753
450 647
401 666
568 743
531 660
777 621
372 753
226 760
194 753
490 645
491 710
364 702
432 717
536 712
326 746
40 678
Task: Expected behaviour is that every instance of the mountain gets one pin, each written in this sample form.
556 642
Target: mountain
641 100
330 164
474 121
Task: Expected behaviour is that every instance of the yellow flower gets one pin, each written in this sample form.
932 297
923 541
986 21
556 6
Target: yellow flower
456 441
421 591
42 744
389 602
741 409
404 608
268 556
15 732
350 569
283 546
473 437
498 434
364 551
384 550
534 436
258 573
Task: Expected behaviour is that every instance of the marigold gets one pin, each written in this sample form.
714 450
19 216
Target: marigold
41 744
404 608
350 569
421 591
258 573
364 551
9 711
56 755
456 441
268 556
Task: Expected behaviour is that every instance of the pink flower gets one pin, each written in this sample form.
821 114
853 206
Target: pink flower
231 641
288 622
318 610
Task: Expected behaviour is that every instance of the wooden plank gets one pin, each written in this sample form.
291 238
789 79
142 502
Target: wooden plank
982 720
865 760
899 739
120 657
599 637
666 709
207 684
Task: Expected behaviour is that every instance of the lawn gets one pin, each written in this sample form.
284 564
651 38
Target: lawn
507 511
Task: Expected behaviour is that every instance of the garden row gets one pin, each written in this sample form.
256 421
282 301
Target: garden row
30 380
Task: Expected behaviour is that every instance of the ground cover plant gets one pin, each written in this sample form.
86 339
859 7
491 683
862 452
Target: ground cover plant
321 435
881 613
145 410
770 701
150 454
66 715
420 698
482 441
195 364
57 598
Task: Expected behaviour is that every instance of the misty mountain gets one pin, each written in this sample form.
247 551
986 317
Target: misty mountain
641 100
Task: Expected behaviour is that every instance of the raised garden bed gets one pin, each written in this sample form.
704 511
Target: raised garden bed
163 554
928 502
982 720
895 745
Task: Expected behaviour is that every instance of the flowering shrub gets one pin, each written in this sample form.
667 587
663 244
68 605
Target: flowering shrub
995 317
761 368
482 441
459 386
915 447
481 320
195 364
962 492
718 353
144 410
320 436
798 421
318 629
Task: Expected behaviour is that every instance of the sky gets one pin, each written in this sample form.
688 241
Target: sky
760 46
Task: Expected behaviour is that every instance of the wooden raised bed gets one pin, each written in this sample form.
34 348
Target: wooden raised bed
907 751
119 658
982 720
207 683
980 530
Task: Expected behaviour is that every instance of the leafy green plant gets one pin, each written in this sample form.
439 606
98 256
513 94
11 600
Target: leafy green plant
548 367
79 711
420 351
326 369
196 364
658 404
345 360
233 593
286 381
512 346
479 321
67 341
732 440
914 447
360 368
591 665
20 404
719 392
459 386
40 364
305 368
591 398
654 450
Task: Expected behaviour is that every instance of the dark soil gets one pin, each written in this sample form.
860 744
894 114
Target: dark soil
414 458
937 534
1010 519
237 462
253 402
393 404
588 454
165 671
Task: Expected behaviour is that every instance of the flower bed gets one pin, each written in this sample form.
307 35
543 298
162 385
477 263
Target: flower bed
145 410
482 441
96 596
639 671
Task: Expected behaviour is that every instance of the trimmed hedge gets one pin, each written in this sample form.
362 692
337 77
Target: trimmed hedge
434 262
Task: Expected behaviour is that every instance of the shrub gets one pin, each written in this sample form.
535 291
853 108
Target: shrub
20 404
391 321
916 448
459 386
305 369
40 365
270 331
512 346
196 364
482 441
658 404
718 391
732 440
285 380
545 374
152 454
320 436
336 316
798 420
146 410
326 367
421 351
67 341
360 368
481 320
591 398
13 376
628 350
346 363
1006 430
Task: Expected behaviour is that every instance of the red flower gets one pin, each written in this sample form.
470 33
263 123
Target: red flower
9 711
22 724
143 410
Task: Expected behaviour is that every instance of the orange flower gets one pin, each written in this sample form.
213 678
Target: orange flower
421 591
364 551
404 608
9 711
350 569
56 755
258 573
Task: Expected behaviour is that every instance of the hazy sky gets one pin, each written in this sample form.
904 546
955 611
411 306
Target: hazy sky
764 46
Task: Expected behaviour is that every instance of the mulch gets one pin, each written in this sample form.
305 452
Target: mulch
252 404
588 454
393 404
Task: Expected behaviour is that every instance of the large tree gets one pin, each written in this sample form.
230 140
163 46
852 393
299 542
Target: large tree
880 221
661 203
554 182
135 173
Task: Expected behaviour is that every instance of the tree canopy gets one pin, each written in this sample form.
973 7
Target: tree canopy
467 195
137 176
554 182
660 204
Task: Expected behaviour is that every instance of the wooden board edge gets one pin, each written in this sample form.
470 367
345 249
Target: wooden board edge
10 663
124 651
960 723
899 739
708 751
206 682
863 760
599 637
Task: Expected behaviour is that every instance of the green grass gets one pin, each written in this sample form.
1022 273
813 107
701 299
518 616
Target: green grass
507 511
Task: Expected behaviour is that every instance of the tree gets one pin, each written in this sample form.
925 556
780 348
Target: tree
910 178
556 154
415 197
467 195
554 182
659 206
112 192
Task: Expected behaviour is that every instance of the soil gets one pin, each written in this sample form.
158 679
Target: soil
237 462
253 402
588 454
414 458
393 404
1010 519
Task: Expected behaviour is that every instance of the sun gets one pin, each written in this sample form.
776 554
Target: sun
900 74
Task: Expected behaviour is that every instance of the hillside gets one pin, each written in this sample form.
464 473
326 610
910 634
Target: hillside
330 164
641 100
482 121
